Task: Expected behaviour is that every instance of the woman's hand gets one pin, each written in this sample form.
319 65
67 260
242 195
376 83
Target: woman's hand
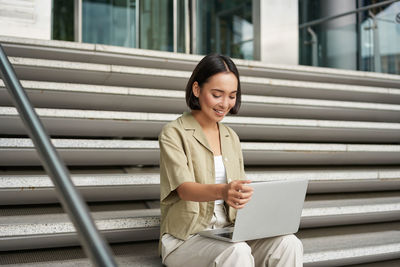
237 193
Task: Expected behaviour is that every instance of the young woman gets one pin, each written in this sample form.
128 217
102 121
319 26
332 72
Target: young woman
203 181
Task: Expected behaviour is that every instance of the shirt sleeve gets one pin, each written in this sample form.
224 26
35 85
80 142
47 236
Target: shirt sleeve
174 164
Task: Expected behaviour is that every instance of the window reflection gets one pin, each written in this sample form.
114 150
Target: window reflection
156 25
225 27
200 27
63 21
380 34
110 22
367 40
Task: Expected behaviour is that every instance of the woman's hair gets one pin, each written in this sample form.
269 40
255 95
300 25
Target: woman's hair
210 65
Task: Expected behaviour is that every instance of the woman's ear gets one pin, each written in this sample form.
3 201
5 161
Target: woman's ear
196 89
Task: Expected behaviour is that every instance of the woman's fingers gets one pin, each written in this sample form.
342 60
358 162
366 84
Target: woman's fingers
239 184
237 205
242 187
241 195
238 193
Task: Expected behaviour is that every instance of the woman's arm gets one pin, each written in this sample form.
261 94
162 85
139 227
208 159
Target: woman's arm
236 193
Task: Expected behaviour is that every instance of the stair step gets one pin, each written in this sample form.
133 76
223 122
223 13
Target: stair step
97 53
142 254
137 221
145 254
101 74
69 122
354 208
389 263
54 229
346 245
142 184
20 151
331 179
96 187
83 96
337 245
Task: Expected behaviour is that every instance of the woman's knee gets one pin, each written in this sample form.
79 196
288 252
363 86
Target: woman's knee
291 244
237 254
240 249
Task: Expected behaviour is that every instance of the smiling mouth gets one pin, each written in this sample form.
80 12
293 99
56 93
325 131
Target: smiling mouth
219 112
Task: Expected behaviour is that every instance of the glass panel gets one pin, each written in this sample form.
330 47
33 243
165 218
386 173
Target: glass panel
156 25
181 26
332 43
63 20
308 11
380 39
111 22
225 27
365 41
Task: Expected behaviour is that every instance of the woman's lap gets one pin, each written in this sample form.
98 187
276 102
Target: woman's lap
203 251
286 250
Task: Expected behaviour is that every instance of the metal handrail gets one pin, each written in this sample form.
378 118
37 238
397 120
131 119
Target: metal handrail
93 243
319 21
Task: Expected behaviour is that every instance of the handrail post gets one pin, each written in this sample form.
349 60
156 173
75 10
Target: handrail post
94 245
314 46
375 33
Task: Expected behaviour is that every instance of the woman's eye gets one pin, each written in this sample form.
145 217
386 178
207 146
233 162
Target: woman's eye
216 96
232 97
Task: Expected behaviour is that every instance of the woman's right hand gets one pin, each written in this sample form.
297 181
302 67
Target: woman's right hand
237 193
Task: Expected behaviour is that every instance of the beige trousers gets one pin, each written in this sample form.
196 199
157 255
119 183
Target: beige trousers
202 251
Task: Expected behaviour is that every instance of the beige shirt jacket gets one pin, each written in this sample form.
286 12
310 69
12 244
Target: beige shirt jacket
185 156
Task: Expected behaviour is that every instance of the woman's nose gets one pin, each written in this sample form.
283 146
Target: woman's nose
224 102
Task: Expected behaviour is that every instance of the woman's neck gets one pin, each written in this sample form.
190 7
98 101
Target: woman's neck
205 123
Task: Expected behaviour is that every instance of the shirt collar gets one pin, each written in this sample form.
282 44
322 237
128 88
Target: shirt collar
190 123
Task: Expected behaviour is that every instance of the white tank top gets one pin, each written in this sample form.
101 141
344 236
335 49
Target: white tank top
220 174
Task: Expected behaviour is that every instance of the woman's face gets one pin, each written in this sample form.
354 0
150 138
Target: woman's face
217 96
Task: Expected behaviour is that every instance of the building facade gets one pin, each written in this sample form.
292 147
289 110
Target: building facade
346 34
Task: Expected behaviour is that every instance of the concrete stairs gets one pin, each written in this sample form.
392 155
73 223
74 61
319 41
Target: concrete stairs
104 107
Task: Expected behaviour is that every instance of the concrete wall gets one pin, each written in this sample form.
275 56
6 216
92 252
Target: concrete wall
26 18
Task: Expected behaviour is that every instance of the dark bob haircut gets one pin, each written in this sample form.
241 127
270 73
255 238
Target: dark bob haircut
210 65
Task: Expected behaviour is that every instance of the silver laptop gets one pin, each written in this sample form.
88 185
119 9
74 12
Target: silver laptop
274 209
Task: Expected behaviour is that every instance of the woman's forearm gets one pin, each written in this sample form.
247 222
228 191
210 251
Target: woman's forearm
236 193
191 191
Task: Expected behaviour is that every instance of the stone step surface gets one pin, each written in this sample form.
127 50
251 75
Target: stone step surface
126 254
113 98
22 227
347 245
70 122
117 75
21 152
354 208
25 228
98 53
143 183
389 263
332 246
